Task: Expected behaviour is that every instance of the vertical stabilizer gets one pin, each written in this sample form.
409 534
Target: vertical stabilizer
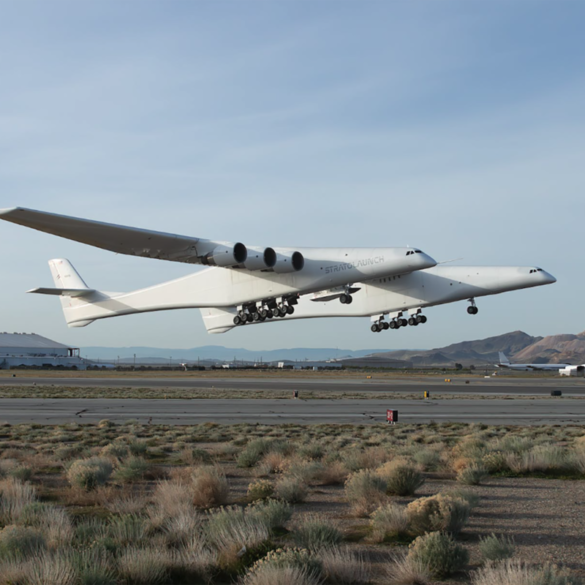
66 277
504 361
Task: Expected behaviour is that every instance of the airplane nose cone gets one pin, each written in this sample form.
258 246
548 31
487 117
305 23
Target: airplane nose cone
426 261
548 277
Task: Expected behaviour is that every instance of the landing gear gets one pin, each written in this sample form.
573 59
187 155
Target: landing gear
397 323
346 299
472 309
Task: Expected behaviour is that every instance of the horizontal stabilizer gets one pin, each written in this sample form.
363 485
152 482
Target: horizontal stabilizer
64 292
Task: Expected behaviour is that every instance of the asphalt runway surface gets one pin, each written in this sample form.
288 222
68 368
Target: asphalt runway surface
506 386
183 412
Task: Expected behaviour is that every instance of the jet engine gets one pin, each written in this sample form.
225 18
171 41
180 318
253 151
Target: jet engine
260 259
227 255
286 262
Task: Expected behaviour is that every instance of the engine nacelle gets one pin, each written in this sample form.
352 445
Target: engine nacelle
260 259
288 263
227 255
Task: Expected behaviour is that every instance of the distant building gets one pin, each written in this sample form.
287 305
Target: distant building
32 350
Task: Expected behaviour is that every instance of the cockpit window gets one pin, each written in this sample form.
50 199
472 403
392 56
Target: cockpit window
418 251
536 270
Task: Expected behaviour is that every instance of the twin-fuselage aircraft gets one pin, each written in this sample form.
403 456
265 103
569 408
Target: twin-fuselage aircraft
245 285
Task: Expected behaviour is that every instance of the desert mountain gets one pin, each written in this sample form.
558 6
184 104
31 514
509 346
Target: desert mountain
479 352
555 349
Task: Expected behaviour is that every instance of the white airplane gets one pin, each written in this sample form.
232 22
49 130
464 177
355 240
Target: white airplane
505 363
247 284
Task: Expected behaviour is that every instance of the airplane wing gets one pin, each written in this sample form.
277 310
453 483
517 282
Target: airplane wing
129 240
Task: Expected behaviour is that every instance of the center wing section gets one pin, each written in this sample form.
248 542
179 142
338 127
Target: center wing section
129 240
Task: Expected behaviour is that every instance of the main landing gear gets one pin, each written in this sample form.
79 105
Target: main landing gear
472 309
267 310
397 323
346 299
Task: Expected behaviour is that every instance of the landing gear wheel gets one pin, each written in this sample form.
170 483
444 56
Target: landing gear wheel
275 312
412 321
375 328
423 319
418 319
403 322
392 324
269 315
237 320
290 310
255 317
385 325
282 311
249 318
343 299
263 313
349 299
472 310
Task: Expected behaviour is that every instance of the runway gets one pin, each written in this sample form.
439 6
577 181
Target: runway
183 412
506 386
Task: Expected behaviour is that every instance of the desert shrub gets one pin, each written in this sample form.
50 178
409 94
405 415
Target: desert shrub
125 503
402 479
50 568
407 571
88 531
90 473
127 530
437 513
333 473
542 459
315 533
389 521
231 530
131 470
253 452
439 553
305 471
138 448
14 497
191 562
53 522
272 462
365 491
493 548
357 459
273 513
117 450
210 487
514 572
341 565
428 459
20 541
143 566
311 451
182 528
22 473
297 558
291 490
464 494
495 462
271 575
260 490
196 456
171 497
93 566
472 475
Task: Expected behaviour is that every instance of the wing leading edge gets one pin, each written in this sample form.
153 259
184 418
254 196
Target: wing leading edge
128 240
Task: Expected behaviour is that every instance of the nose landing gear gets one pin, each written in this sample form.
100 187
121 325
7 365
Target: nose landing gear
472 309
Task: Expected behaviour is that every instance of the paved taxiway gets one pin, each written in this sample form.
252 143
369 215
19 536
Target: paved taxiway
504 386
495 411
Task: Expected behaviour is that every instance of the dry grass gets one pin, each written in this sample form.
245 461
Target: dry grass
210 487
342 565
407 571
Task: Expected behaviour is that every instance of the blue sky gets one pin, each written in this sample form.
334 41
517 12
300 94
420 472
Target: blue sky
458 127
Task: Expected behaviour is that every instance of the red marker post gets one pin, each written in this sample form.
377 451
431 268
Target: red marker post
391 416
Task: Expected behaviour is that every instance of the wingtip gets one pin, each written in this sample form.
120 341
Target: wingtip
9 210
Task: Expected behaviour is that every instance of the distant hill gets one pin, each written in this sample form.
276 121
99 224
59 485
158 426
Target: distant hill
219 353
479 352
555 349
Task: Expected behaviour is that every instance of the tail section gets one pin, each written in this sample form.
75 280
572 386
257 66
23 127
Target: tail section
71 289
504 361
65 276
